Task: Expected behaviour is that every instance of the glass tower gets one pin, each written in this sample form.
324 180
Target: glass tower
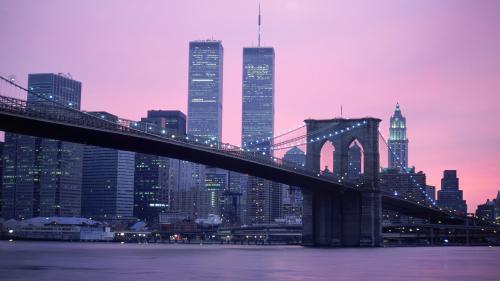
258 97
205 112
398 142
43 177
263 198
205 89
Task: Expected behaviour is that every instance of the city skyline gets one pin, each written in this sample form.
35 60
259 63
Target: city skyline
441 107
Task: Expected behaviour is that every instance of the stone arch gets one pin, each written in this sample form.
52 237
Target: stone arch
327 156
342 132
355 155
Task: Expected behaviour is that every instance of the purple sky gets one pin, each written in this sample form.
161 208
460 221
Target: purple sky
439 59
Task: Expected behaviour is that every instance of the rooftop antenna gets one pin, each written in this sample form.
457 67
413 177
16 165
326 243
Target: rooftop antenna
259 28
340 110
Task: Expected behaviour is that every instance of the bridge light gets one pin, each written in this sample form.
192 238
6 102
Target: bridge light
163 131
173 136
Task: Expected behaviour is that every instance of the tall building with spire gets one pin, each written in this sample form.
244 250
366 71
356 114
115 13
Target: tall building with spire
398 142
262 196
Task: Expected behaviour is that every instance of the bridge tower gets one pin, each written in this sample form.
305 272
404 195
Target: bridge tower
343 217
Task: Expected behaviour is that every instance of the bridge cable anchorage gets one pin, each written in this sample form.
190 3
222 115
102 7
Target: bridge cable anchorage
405 169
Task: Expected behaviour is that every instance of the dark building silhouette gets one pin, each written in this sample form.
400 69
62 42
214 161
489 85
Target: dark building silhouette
404 184
43 177
151 178
108 180
490 210
291 195
354 155
450 196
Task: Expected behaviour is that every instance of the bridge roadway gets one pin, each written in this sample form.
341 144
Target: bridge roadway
78 127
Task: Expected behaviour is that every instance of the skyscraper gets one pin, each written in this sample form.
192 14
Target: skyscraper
152 194
205 112
205 89
398 142
43 177
258 97
450 196
108 180
263 197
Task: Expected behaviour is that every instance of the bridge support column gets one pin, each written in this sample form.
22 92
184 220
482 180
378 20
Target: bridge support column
321 218
371 218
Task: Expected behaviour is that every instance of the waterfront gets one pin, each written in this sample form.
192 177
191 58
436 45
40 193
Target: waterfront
23 260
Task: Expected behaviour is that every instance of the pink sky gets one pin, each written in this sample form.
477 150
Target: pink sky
439 59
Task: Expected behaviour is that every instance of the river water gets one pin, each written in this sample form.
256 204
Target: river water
23 260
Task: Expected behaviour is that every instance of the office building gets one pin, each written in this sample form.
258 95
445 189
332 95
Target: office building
263 198
43 177
152 195
450 196
108 180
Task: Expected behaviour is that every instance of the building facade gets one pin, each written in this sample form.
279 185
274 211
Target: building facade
152 178
108 180
450 196
263 197
490 210
404 184
205 89
398 141
205 97
291 195
43 177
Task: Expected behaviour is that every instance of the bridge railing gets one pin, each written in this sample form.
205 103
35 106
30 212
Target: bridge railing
55 112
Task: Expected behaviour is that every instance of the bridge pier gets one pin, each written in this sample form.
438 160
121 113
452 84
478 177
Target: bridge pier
341 219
